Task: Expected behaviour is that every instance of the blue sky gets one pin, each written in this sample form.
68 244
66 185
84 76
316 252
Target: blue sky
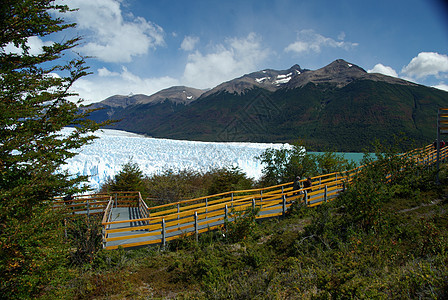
143 46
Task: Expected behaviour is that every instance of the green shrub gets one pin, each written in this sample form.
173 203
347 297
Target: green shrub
242 224
173 186
228 179
84 236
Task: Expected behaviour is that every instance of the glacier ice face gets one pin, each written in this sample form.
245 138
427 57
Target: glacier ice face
106 156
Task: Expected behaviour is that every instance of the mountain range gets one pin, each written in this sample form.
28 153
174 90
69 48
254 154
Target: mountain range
339 107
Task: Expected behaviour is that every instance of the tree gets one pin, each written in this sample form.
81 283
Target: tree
33 110
284 165
129 179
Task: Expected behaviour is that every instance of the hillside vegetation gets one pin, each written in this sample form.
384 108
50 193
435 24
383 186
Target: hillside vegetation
378 240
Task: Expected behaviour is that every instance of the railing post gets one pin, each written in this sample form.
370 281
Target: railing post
65 229
196 230
116 199
261 195
109 217
253 205
306 197
163 233
178 210
226 212
103 235
284 205
325 194
88 209
283 189
206 210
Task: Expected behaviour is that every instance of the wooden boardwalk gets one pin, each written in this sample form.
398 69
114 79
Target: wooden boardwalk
129 227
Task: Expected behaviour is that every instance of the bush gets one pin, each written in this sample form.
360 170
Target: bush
242 224
84 236
173 186
228 179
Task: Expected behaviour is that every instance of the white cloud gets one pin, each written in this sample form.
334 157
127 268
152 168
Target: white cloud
382 69
341 36
104 72
441 86
189 43
426 64
109 36
107 83
233 59
310 41
35 44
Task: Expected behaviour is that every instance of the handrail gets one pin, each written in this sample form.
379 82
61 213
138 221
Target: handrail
107 210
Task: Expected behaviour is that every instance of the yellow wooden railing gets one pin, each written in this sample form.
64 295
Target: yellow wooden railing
97 203
83 204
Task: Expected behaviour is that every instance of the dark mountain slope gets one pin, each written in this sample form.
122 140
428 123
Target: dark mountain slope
345 119
339 107
139 112
350 118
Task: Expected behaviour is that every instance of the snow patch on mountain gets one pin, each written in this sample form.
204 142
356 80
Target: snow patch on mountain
260 80
105 157
281 79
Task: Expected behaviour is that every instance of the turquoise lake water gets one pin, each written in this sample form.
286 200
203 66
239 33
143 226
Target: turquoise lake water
356 157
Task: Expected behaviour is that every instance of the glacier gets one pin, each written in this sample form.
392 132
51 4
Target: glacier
105 156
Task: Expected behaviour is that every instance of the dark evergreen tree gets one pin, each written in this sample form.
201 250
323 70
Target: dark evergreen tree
33 110
129 179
